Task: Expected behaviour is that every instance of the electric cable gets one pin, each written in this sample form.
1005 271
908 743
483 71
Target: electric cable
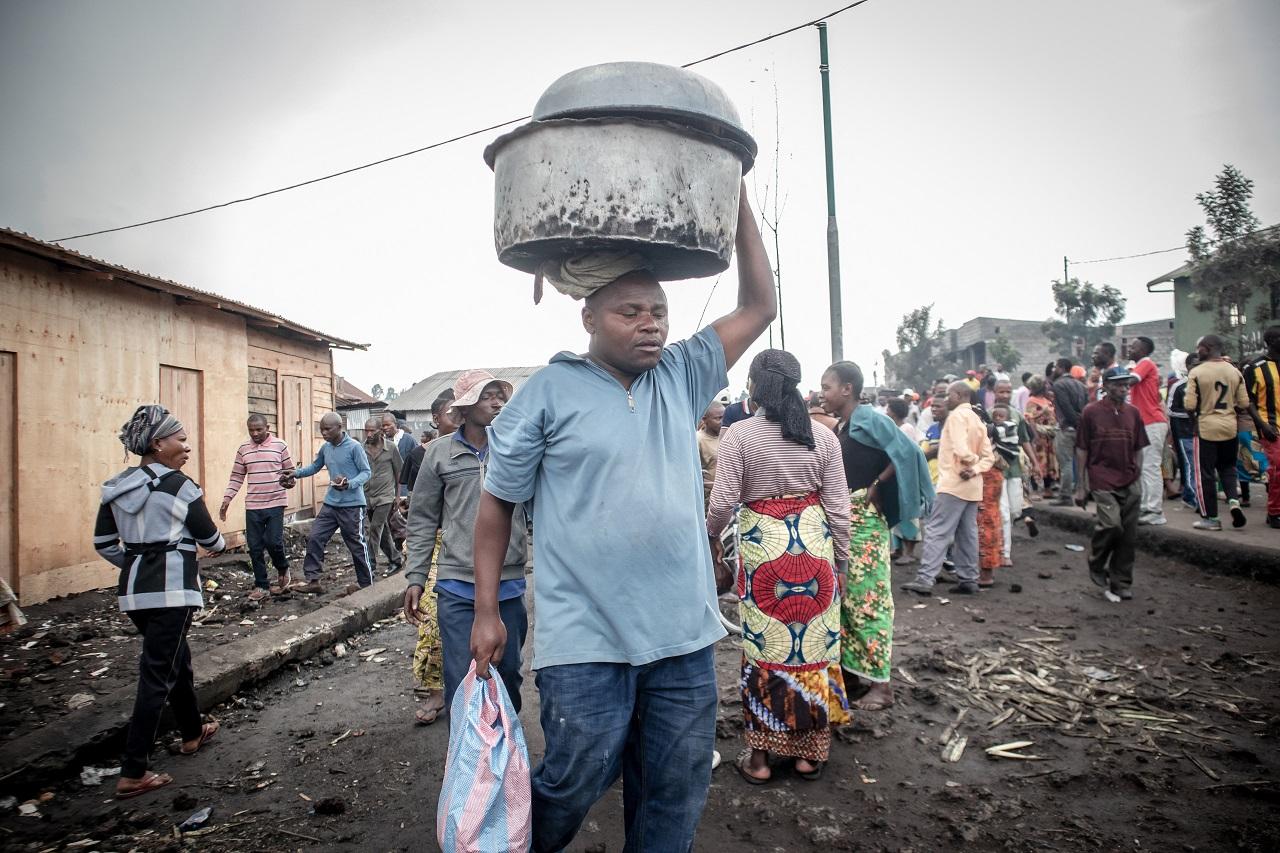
429 147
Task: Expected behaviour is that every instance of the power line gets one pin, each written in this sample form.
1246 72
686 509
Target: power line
1127 257
442 142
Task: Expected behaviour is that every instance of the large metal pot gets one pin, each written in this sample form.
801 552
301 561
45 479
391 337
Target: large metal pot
623 156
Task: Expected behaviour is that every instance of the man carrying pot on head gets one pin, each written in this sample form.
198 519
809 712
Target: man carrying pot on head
604 445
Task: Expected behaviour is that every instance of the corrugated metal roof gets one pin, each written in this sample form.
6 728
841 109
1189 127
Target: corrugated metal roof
420 397
258 317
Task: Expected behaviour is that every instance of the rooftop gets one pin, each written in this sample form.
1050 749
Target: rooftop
109 272
420 397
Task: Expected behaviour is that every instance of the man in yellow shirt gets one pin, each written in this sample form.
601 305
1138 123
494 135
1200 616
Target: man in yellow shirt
964 452
1215 395
1262 381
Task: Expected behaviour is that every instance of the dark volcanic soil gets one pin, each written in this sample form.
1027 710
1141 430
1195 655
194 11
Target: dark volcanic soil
1153 723
82 646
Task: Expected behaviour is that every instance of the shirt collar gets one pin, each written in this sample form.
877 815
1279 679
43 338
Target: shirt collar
475 451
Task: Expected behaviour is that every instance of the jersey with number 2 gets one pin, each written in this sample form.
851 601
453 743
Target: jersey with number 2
1215 390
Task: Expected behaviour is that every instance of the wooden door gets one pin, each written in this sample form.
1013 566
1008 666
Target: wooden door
297 429
9 470
181 393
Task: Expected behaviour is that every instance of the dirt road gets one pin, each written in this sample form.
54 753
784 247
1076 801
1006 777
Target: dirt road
1154 725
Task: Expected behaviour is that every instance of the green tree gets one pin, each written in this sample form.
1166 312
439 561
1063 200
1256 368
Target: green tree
1087 314
1004 353
1233 260
921 355
376 392
391 394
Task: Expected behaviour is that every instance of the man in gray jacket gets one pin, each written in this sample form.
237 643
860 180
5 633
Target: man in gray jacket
446 496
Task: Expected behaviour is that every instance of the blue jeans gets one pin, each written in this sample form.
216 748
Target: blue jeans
264 531
653 725
455 615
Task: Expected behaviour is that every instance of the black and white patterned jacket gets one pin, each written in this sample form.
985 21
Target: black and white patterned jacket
149 524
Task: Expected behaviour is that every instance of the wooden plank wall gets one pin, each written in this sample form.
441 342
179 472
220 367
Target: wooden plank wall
88 351
284 357
264 395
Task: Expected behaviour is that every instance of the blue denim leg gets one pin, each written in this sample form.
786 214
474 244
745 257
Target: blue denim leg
586 720
667 770
273 538
455 616
255 530
654 725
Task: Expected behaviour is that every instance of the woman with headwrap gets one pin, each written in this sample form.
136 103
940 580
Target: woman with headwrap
794 526
887 480
151 519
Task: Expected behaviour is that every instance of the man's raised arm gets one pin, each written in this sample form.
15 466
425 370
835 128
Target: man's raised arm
757 298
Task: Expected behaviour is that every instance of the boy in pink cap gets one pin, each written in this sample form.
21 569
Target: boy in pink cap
446 495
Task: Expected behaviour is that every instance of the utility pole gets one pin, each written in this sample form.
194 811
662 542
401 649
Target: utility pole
833 232
1064 270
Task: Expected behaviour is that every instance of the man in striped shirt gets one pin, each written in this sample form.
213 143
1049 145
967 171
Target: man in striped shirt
1262 381
259 463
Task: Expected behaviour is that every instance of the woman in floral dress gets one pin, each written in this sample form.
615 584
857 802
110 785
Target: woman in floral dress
888 480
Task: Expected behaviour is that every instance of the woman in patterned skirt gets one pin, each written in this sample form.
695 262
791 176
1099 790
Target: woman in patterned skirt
786 473
888 480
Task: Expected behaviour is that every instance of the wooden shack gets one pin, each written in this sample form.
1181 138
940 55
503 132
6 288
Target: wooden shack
82 343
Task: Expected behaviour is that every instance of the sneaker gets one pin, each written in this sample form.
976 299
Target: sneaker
1110 596
918 587
965 588
1208 524
1031 526
1153 520
1273 521
313 587
1237 515
1125 594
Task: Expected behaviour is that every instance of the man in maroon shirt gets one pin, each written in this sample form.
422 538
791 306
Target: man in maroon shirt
1145 396
1109 443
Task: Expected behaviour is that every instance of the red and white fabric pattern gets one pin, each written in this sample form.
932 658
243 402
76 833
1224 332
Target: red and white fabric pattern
485 801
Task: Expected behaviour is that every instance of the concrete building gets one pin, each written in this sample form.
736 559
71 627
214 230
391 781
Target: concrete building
1192 322
969 345
84 342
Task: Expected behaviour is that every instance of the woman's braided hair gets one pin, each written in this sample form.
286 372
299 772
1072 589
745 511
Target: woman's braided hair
775 375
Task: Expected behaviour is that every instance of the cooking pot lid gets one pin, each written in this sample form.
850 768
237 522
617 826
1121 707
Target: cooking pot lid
646 90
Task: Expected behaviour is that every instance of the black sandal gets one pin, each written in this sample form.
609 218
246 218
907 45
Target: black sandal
741 764
813 775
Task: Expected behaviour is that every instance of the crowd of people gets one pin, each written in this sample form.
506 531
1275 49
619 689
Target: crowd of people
650 499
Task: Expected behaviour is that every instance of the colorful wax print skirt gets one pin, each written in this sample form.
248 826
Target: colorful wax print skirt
990 524
790 611
866 624
428 665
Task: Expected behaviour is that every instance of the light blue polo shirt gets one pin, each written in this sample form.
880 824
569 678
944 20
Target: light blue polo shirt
620 544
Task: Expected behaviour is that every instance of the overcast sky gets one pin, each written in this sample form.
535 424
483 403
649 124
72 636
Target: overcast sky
976 144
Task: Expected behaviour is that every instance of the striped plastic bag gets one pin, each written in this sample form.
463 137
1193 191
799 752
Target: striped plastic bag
484 804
